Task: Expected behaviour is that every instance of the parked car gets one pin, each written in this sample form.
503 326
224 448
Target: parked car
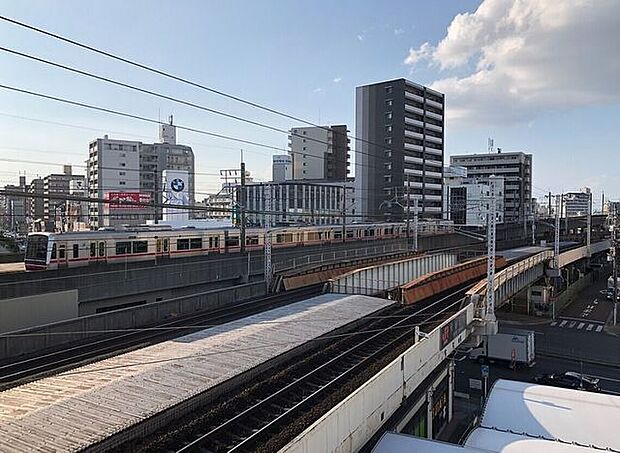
569 380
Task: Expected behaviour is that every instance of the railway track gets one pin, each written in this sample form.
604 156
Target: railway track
260 417
19 372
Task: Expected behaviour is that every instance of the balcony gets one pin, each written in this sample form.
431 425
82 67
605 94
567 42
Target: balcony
434 127
434 163
415 97
413 184
433 197
433 186
410 171
431 138
435 104
414 135
410 108
433 174
413 147
414 160
434 151
413 122
433 115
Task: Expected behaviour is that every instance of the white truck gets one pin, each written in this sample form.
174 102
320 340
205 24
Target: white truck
511 346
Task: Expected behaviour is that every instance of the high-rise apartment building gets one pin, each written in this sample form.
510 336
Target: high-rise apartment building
514 167
320 152
113 168
133 171
35 203
399 127
54 209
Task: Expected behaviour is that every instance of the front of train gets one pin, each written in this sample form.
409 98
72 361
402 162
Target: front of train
37 254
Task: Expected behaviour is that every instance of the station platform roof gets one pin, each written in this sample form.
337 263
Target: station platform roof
81 407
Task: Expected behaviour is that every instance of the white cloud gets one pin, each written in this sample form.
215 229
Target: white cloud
398 31
337 79
516 59
360 37
317 90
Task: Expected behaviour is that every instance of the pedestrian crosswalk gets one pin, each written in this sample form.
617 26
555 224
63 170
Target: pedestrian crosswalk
577 325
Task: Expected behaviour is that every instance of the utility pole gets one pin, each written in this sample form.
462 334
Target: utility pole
242 205
267 241
344 212
614 237
415 224
549 210
533 229
556 248
491 224
589 225
407 207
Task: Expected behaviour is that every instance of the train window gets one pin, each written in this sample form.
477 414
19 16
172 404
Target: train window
53 252
139 246
61 252
123 248
337 234
217 242
102 249
93 249
182 244
195 243
76 251
232 241
251 240
165 245
158 246
349 234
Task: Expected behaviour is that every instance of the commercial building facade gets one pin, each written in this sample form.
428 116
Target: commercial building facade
320 153
294 203
282 168
514 167
399 150
576 203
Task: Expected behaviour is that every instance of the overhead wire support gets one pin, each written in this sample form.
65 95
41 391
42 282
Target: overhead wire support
490 318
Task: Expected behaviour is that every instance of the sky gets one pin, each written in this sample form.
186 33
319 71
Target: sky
536 76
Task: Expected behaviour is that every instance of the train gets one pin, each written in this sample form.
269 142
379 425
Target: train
50 251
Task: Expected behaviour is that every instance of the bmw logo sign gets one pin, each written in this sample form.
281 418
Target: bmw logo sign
177 185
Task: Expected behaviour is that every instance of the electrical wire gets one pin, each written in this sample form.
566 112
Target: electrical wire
176 78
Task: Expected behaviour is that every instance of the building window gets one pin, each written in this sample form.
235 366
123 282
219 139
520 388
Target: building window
389 103
387 178
388 166
388 129
388 89
388 140
387 153
388 116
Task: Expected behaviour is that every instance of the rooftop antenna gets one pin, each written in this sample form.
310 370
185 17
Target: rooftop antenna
170 119
490 145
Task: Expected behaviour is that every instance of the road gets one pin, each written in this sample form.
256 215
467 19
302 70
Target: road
575 341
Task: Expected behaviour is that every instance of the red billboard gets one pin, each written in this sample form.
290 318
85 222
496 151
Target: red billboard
124 200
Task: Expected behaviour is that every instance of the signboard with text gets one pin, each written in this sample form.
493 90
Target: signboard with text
124 200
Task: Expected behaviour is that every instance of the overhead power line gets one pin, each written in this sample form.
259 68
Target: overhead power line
177 78
196 106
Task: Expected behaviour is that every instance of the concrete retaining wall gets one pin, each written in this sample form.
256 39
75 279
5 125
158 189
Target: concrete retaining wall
38 339
24 312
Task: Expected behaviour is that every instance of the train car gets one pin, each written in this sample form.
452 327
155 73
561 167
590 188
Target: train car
154 242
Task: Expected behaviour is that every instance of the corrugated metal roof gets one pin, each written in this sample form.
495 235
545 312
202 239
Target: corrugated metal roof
72 410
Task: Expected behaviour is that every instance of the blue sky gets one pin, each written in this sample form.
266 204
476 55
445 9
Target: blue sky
305 58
